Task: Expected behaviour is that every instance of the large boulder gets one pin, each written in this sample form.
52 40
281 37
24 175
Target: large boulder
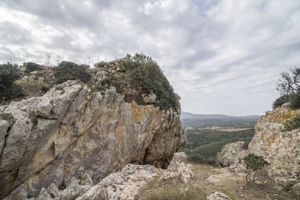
72 130
278 146
232 153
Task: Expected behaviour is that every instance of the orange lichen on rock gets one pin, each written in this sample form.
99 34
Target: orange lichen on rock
281 117
272 139
139 111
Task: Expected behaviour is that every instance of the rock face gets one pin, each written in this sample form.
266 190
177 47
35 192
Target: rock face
279 147
72 131
123 185
126 184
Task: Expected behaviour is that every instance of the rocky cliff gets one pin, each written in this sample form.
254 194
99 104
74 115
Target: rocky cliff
278 146
74 130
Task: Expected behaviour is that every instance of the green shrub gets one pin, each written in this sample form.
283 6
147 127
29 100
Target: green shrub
280 101
8 89
253 163
295 100
33 118
71 71
30 67
143 76
45 88
292 124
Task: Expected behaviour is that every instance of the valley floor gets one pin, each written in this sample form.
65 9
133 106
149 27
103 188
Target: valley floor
209 179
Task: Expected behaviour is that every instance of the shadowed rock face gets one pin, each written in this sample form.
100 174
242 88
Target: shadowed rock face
70 131
279 147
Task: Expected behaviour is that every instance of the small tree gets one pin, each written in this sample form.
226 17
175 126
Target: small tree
289 87
254 163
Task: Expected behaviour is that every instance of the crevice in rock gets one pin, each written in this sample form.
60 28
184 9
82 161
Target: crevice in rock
5 142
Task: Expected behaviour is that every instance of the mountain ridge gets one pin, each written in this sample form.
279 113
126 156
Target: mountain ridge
189 115
207 120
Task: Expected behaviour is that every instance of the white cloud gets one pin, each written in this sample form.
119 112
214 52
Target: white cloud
221 56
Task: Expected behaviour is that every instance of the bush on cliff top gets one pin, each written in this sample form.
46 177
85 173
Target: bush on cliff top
142 75
8 89
280 101
71 71
30 67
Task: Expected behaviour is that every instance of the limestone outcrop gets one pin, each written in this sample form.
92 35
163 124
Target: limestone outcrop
123 185
73 131
278 146
281 148
232 153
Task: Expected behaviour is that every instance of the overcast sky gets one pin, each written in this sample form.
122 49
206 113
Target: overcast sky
221 56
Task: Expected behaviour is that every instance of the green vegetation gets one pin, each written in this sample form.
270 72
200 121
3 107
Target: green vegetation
33 118
173 193
143 76
292 124
45 88
280 101
253 163
289 87
71 71
232 195
8 117
230 122
8 89
203 144
103 85
30 67
287 188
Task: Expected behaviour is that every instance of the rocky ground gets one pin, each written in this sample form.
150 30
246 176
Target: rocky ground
209 179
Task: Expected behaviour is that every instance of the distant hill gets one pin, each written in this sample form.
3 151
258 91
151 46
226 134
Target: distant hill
208 120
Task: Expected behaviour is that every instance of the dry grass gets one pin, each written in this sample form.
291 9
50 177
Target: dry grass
232 185
174 193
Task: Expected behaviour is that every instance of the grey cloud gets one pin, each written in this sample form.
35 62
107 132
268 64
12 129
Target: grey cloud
12 33
221 56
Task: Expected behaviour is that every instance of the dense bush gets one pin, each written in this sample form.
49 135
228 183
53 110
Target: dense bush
30 67
253 163
142 75
8 89
280 101
71 71
295 100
